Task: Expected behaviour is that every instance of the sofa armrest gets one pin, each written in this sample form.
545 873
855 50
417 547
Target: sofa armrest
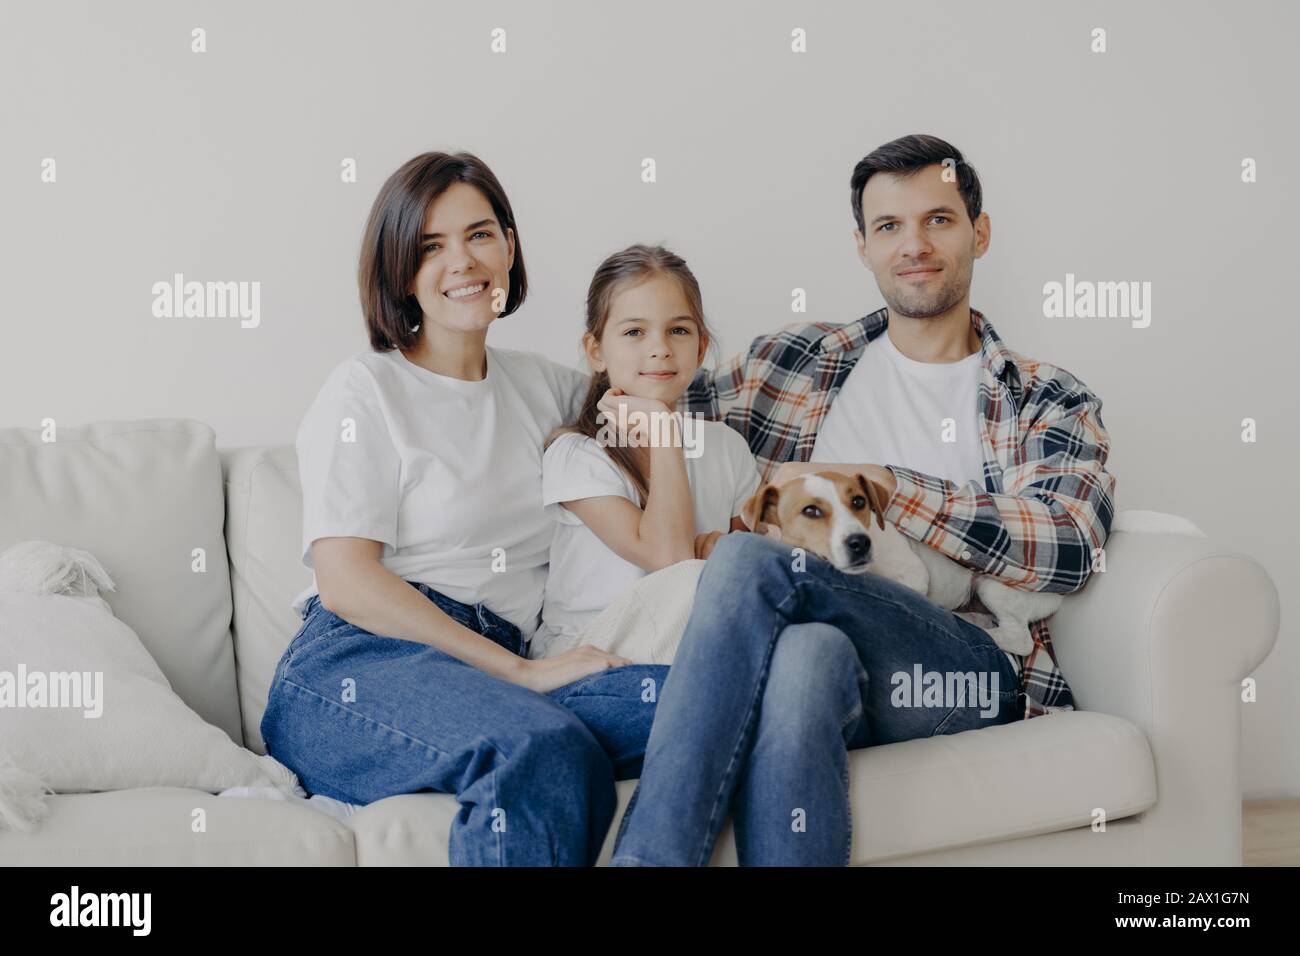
1164 638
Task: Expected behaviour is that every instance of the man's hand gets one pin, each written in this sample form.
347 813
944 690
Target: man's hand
877 473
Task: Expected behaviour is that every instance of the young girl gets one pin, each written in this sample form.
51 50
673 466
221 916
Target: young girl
638 488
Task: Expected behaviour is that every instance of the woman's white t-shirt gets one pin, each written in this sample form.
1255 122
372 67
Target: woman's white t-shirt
446 473
586 574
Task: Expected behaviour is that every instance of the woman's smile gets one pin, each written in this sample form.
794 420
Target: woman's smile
466 293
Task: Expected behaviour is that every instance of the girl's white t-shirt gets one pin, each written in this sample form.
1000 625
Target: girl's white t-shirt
446 473
586 574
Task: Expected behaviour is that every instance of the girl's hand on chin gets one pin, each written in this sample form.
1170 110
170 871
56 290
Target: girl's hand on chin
637 433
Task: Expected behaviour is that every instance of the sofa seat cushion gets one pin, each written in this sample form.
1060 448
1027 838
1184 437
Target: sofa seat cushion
152 826
980 786
998 783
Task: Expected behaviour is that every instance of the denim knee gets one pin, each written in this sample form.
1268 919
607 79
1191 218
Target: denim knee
815 675
558 757
740 546
736 558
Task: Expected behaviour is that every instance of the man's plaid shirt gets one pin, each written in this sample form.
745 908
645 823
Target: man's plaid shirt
1046 504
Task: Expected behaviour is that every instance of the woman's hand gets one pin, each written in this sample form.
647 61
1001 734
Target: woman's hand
704 543
639 430
552 672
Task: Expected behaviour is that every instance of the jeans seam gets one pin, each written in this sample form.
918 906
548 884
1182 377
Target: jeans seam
627 812
848 800
906 610
368 719
946 717
500 849
850 718
973 649
848 803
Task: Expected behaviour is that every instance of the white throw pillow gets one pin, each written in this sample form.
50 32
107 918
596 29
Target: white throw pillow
84 707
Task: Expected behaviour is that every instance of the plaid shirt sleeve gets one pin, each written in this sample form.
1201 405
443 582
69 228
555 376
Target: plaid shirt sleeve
1055 509
711 390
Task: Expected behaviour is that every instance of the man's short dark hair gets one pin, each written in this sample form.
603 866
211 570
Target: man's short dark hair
908 155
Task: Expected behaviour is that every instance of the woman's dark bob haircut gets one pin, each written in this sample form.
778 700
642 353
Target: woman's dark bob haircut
391 247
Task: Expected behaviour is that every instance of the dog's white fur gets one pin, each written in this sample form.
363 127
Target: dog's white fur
824 513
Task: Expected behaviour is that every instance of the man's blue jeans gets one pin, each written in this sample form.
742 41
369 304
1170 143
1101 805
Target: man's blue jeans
784 667
360 717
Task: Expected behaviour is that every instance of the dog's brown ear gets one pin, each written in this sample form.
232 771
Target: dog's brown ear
762 507
877 500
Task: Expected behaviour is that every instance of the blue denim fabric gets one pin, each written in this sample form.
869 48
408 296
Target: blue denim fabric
782 671
360 717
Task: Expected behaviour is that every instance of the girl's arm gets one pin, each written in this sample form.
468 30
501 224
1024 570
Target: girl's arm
618 523
662 534
355 585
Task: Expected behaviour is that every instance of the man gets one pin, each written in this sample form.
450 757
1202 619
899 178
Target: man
994 459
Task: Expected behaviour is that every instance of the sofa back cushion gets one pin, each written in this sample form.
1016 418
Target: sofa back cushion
145 498
264 537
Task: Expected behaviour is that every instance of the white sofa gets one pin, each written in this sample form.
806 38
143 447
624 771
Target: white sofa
1155 650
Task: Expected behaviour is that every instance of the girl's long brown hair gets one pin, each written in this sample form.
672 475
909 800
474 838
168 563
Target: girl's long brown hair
631 265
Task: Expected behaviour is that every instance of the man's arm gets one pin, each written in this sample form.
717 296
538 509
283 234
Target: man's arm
711 388
1040 533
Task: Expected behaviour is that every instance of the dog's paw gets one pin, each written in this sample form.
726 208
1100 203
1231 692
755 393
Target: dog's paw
1016 640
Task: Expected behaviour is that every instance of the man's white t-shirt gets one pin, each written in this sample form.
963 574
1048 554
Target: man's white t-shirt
891 410
586 574
446 473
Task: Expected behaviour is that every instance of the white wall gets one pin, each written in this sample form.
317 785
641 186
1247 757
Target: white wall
1123 165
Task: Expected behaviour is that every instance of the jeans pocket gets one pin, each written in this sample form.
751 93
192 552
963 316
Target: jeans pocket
495 627
320 624
508 637
476 617
294 641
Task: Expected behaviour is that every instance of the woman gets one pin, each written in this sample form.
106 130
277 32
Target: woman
423 525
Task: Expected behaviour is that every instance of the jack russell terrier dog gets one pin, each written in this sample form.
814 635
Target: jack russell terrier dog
829 514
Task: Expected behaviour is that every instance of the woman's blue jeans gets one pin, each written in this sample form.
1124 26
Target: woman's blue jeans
785 666
361 717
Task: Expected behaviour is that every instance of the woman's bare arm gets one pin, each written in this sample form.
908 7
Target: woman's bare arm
358 588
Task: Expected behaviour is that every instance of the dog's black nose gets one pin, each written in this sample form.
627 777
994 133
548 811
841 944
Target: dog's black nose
858 545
